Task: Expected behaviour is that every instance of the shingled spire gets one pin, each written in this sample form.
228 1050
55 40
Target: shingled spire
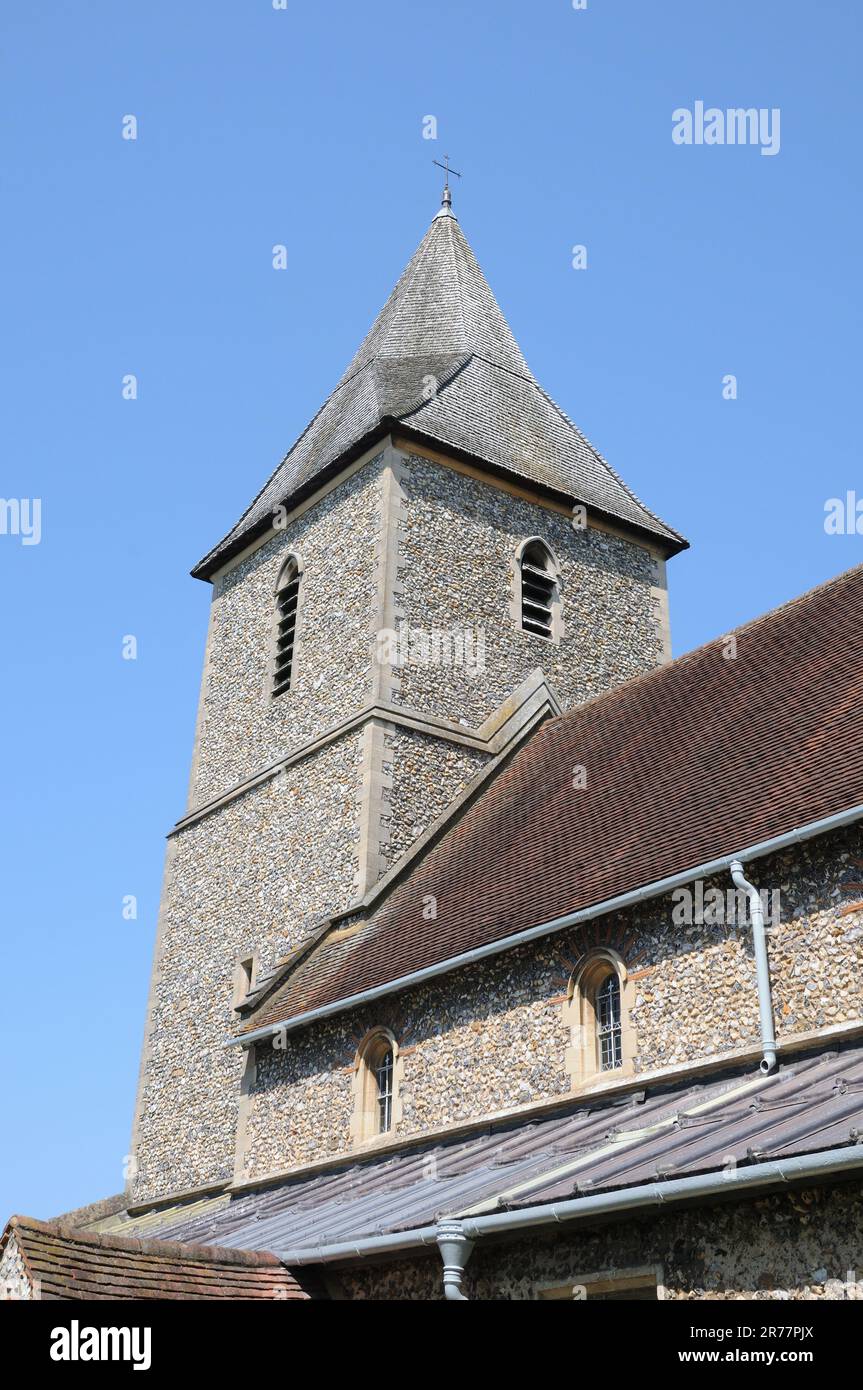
441 362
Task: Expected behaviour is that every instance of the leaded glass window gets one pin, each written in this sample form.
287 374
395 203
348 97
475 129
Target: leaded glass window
608 1034
384 1081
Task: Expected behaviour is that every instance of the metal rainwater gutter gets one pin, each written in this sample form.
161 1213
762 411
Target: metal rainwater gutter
656 1194
623 900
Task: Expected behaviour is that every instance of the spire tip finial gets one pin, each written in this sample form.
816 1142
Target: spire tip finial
446 199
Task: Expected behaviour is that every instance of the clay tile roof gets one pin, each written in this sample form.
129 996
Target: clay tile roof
67 1263
699 759
442 321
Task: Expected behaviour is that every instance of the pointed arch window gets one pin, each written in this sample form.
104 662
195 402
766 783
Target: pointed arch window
596 1014
538 598
377 1078
287 600
607 1012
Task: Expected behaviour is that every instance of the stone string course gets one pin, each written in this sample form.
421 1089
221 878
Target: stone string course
795 1246
492 1036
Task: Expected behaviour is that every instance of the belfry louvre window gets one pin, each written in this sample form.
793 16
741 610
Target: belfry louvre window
538 591
287 595
608 1032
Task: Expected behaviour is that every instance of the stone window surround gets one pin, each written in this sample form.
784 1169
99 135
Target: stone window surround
293 557
245 976
581 1062
557 624
606 1281
364 1131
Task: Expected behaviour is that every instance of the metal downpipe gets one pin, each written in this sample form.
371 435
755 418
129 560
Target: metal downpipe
762 966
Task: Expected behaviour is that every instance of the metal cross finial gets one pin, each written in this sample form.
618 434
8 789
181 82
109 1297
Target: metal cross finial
446 200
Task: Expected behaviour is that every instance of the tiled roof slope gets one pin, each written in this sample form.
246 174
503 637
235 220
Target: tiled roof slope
810 1104
65 1263
94 1214
697 760
442 321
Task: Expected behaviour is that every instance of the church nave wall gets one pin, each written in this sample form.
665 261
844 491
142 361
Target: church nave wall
493 1037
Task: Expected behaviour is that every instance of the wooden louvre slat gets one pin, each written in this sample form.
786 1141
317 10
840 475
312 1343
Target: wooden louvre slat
534 569
540 607
537 599
287 599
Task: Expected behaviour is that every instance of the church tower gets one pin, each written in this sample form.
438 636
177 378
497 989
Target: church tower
440 562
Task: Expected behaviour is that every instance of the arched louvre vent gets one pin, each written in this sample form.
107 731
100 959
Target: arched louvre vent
538 585
287 594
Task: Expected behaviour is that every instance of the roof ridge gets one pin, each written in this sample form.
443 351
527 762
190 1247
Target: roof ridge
440 385
451 223
399 293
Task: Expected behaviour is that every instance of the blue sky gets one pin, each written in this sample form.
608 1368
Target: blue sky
304 127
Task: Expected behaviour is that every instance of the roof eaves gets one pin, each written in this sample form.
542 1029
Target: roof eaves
207 1254
508 943
671 540
238 539
219 556
711 1185
683 542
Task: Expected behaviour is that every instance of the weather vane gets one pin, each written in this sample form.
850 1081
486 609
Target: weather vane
447 196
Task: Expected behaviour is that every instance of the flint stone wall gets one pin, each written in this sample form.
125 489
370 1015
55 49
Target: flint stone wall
492 1036
794 1246
254 875
258 870
426 776
241 729
14 1279
457 548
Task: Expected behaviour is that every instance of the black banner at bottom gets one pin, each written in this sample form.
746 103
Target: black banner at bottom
152 1338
